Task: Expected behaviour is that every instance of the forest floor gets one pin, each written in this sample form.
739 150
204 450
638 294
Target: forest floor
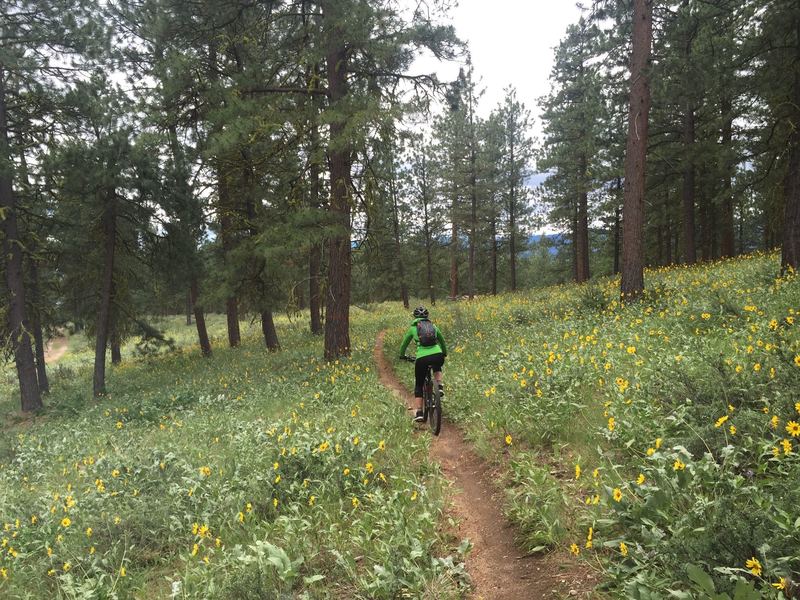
56 348
498 568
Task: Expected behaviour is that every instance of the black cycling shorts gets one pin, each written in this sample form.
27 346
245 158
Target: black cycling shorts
435 361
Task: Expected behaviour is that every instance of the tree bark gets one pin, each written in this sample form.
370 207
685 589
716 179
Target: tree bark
337 311
790 250
226 233
454 247
617 236
116 353
727 224
188 308
512 216
689 247
397 247
109 221
199 320
314 295
269 331
426 227
473 219
493 251
632 284
667 231
582 242
30 394
36 325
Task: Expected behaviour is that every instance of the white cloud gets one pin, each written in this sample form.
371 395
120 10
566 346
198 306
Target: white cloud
512 43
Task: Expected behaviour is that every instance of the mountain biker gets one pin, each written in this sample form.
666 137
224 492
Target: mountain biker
431 355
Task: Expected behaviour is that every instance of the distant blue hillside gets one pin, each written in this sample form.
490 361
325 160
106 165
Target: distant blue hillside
552 240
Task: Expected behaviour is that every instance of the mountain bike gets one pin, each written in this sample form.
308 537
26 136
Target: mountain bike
431 400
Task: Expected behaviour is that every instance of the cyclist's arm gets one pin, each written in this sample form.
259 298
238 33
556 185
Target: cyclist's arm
406 341
440 339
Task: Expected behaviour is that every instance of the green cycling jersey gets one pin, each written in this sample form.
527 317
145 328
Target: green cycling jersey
411 334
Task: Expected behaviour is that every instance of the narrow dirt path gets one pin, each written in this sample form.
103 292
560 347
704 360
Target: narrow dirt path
55 349
497 566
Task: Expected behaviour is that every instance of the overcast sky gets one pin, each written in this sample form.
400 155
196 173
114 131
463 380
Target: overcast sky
512 43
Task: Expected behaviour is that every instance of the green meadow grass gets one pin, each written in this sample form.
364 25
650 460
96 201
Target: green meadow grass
246 475
658 440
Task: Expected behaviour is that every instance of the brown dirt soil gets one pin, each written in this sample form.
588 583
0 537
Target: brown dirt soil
498 568
55 349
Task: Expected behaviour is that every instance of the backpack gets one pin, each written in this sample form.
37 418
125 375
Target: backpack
426 333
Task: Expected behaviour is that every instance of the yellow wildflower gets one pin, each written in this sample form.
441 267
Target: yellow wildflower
754 565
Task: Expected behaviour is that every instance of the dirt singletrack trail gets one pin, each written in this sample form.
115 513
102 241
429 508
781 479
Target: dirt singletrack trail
499 569
55 349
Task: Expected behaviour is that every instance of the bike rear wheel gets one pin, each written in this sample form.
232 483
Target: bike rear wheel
427 399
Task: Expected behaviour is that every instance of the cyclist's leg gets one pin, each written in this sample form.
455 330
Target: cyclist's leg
420 370
437 360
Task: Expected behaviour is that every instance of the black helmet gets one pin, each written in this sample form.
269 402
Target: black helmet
420 312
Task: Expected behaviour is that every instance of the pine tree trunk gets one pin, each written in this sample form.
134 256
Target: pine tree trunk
397 246
15 284
107 287
188 308
473 220
660 242
315 253
617 225
705 229
493 251
512 217
116 353
36 325
226 233
582 245
269 331
727 224
632 284
574 244
314 296
689 252
454 253
337 317
428 254
667 231
199 320
790 251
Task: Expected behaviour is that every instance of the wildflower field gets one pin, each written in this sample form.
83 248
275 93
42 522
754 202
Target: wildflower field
234 477
658 441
